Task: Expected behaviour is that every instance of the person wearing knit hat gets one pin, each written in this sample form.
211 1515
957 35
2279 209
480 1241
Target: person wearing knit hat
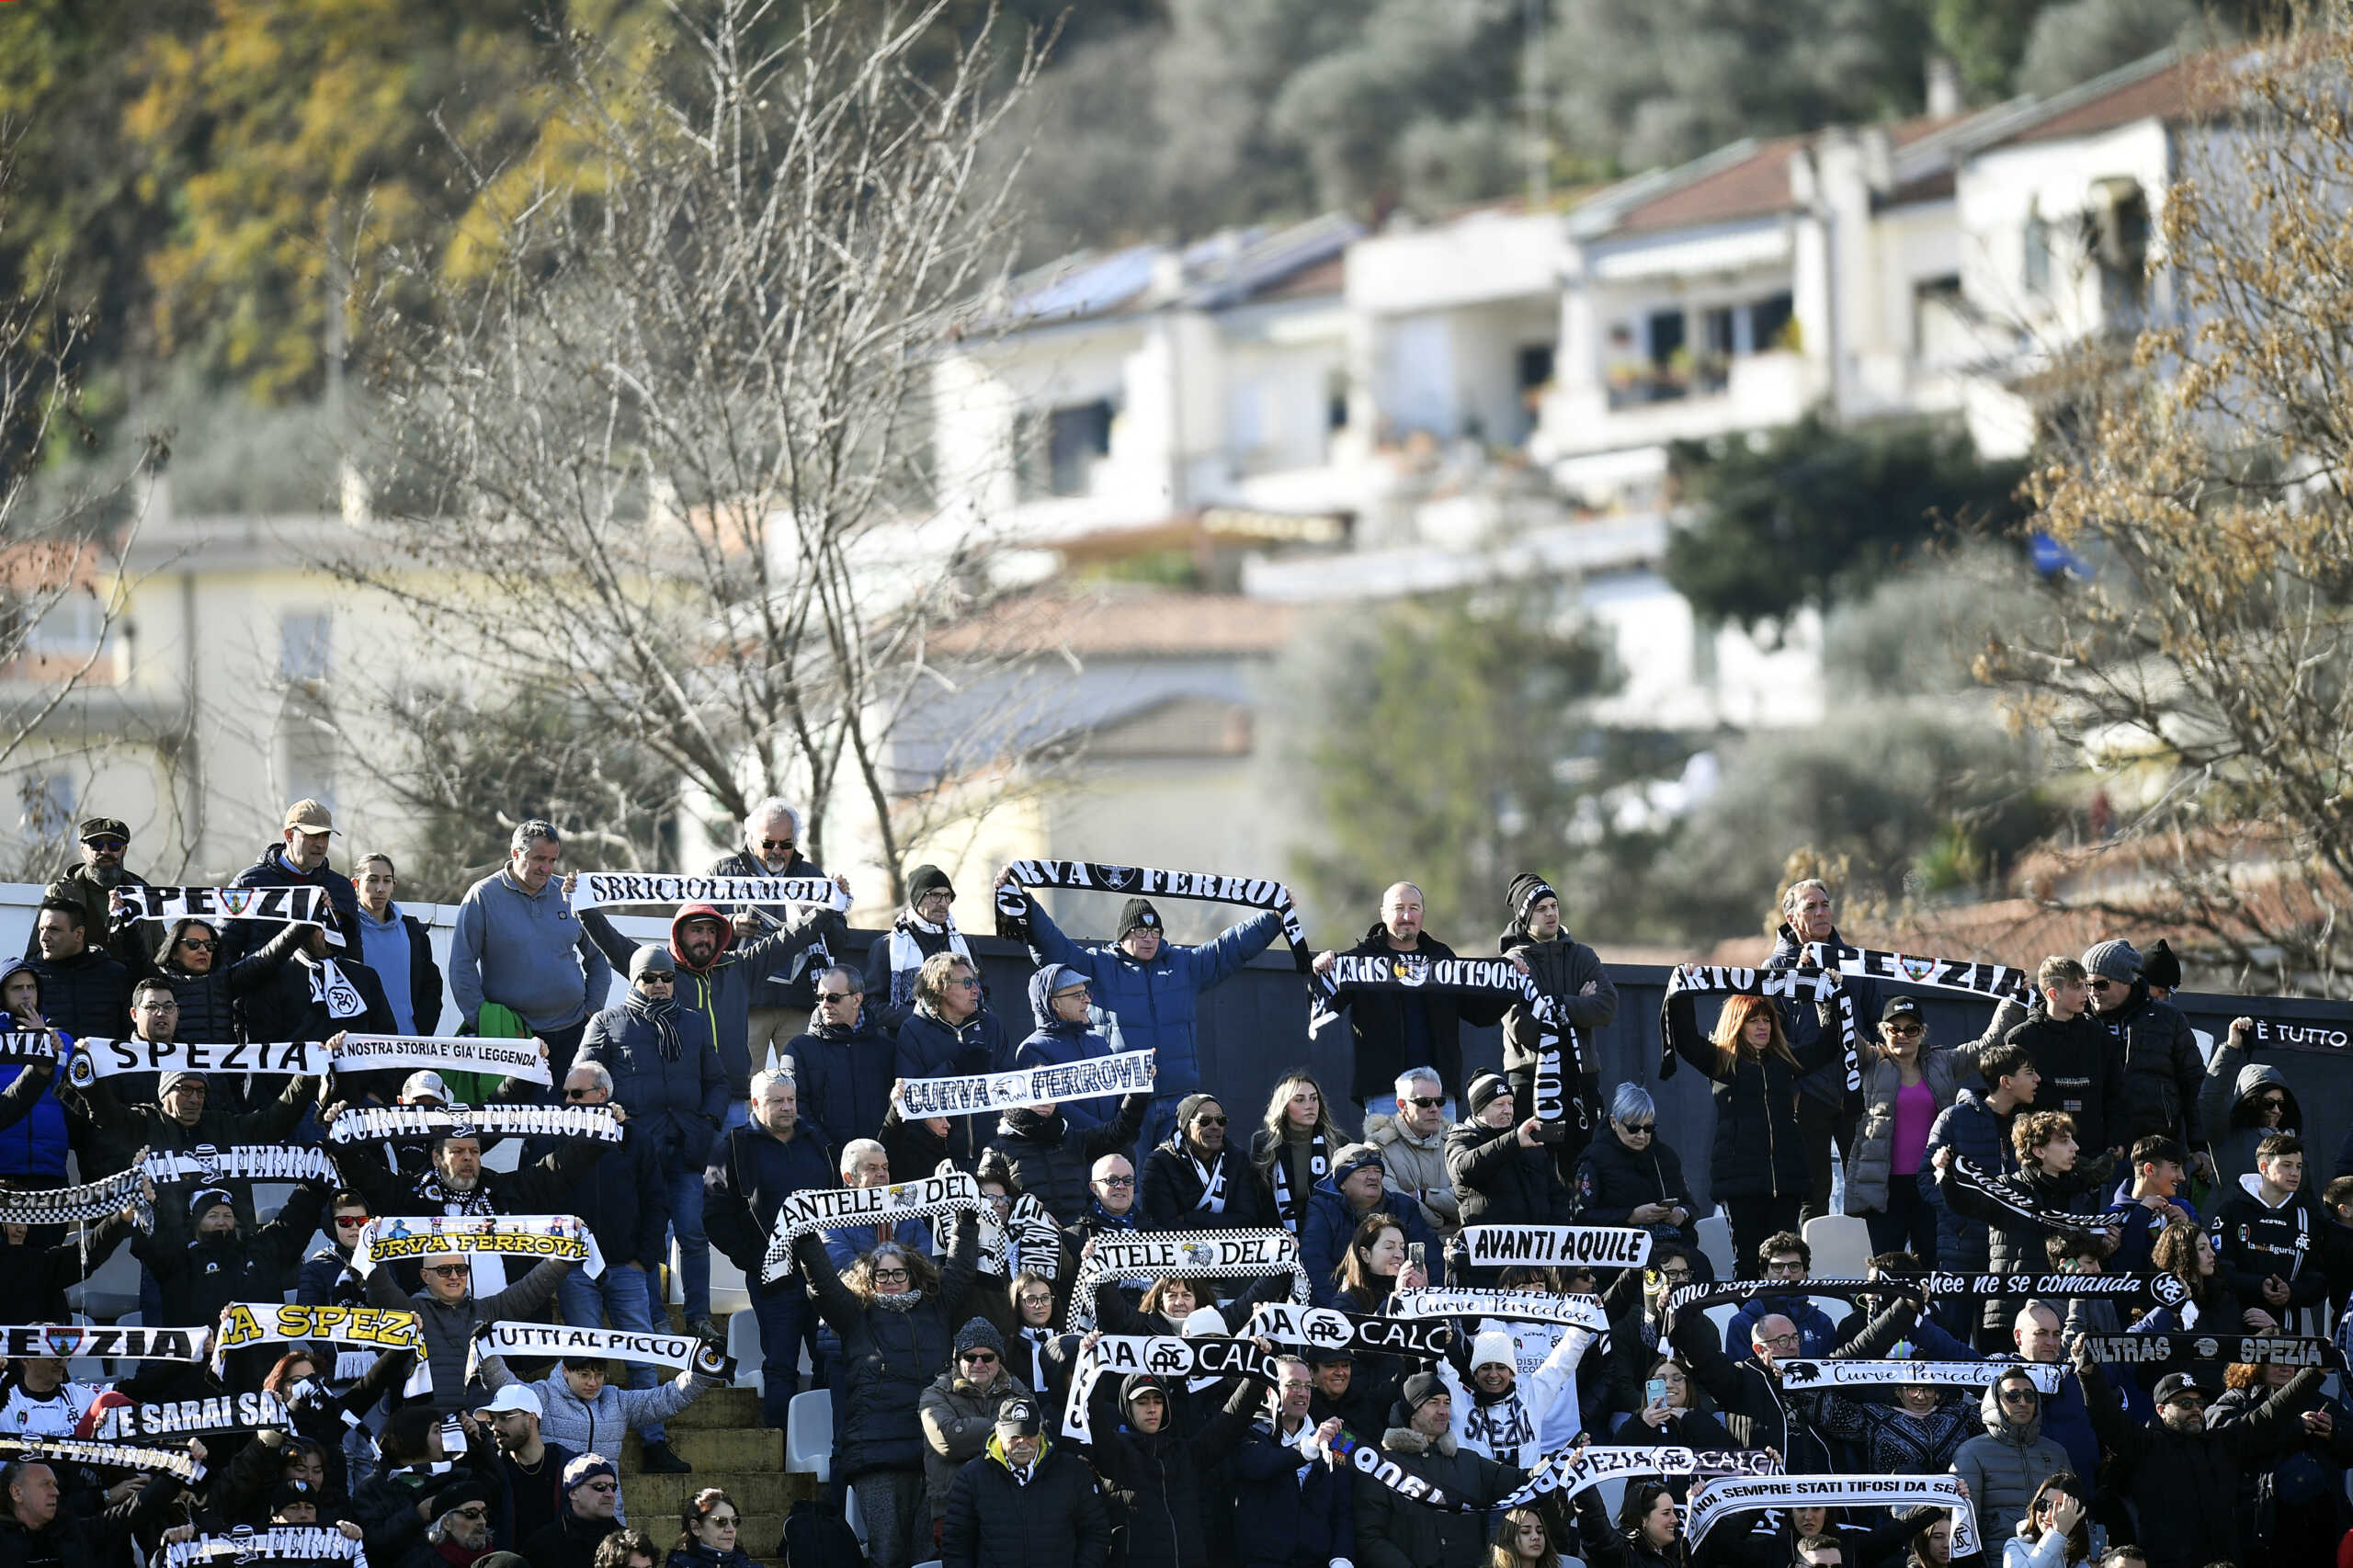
1573 975
1496 1413
592 1485
926 926
1503 1173
1393 1527
1151 987
1200 1178
2161 967
2165 1073
2115 960
960 1407
1356 1188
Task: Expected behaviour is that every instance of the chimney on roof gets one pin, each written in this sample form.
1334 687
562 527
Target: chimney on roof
1877 150
1944 87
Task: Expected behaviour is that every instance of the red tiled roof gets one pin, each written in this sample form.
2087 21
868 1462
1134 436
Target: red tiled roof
1327 277
1752 187
2162 95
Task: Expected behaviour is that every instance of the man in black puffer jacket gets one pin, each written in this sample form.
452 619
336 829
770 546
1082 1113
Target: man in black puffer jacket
1055 1162
34 1533
84 989
1157 1475
1176 1194
1749 1401
2164 1069
1502 1176
1825 1113
1025 1503
1396 1531
2044 1142
1391 1030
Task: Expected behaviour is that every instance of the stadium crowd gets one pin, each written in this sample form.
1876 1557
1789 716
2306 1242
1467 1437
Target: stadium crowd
2079 1175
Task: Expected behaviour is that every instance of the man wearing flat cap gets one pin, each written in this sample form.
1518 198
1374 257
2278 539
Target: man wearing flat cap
299 858
91 882
1151 988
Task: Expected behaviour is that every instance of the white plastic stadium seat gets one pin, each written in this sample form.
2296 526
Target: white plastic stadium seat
809 1433
743 1344
1841 1244
1715 1244
856 1520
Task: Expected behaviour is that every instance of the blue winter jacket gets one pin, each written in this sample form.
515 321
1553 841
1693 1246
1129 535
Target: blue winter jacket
1054 1043
673 1107
1156 1005
844 1076
1968 1126
35 1144
752 1172
1287 1509
1324 1233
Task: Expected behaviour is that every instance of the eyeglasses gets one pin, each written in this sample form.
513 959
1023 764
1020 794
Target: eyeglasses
1426 1101
1780 1341
999 1200
1066 995
447 1270
1789 1266
471 1511
837 995
1905 1032
581 1093
2104 986
1209 1121
200 944
885 1276
1676 1276
721 1521
1638 1129
776 843
980 1357
107 843
1036 1298
2017 1396
657 979
158 1004
602 1486
1115 1181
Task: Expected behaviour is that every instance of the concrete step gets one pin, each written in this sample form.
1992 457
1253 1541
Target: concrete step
755 1449
727 1408
755 1492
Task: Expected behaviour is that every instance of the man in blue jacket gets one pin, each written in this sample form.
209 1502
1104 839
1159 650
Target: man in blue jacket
1357 1187
298 859
1292 1503
754 1169
1061 1000
1152 988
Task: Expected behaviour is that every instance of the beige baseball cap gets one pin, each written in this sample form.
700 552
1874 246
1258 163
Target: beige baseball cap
310 816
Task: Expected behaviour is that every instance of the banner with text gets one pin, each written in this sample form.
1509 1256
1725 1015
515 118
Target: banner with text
1189 1254
602 889
1527 1306
1556 1247
1713 1501
303 905
442 1053
831 1208
1122 1073
533 1237
377 1124
110 1058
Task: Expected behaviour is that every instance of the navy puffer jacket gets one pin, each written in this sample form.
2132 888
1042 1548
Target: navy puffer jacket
676 1106
889 1355
1054 1160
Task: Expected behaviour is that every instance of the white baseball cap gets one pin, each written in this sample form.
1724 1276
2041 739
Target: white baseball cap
514 1396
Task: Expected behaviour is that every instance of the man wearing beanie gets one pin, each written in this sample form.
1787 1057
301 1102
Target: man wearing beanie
1026 1502
1392 1527
1503 1174
926 926
1571 973
959 1410
1152 987
1199 1180
1495 1413
2164 1069
1357 1187
592 1486
1394 1029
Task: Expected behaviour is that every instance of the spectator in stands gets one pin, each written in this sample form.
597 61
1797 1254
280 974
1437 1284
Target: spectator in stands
1572 974
1198 1180
1748 1395
2044 1142
1025 1503
650 1058
959 1410
2245 1102
2003 1466
1632 1177
1390 1030
91 880
34 1277
1636 1302
183 1122
1292 1506
1502 1171
1030 1350
2163 1070
926 926
1376 1266
327 1279
214 996
710 1524
1168 1479
517 944
534 1465
894 1312
2270 1231
416 1489
586 1414
2082 1065
321 992
1112 1183
201 1261
42 1400
1360 1403
1355 1190
35 1532
1152 987
2181 1476
2292 1507
1412 1150
2036 1336
592 1488
1648 1532
156 1020
398 949
1906 1087
1757 1169
298 859
1060 1001
1052 1157
951 1033
1976 1124
865 1163
845 1065
1679 1414
1783 1256
624 1201
755 1168
1808 936
2150 1203
35 1130
84 991
1496 1414
782 999
447 1312
1394 1529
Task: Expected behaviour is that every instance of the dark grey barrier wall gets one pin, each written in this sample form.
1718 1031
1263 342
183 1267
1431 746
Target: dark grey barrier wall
1254 1031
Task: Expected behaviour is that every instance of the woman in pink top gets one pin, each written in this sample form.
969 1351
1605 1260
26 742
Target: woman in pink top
1905 1084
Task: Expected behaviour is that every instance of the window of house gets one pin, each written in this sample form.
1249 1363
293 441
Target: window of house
309 749
1769 320
304 642
1535 366
2035 264
1665 335
1716 330
1053 451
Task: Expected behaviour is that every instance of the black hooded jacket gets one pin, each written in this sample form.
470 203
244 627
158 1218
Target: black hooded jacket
1156 1479
212 1004
1054 1162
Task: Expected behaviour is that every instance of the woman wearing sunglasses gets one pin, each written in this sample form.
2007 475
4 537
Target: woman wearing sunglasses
707 1526
1904 1085
1633 1177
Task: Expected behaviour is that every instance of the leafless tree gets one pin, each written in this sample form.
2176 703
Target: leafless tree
661 455
2205 659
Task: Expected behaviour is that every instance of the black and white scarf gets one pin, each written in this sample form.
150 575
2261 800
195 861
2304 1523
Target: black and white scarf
1194 1255
442 1053
2327 1036
1013 904
134 1344
1026 1239
1557 1246
1211 1176
545 1341
1801 1376
304 904
907 954
1412 971
279 1543
333 989
1510 1306
240 1161
2013 1198
1732 981
98 1059
378 1124
1712 1500
177 1462
1740 1292
597 890
91 1200
1170 1356
247 1410
2183 1349
1998 981
833 1208
1291 1209
1567 1471
24 1047
1328 1328
2146 1290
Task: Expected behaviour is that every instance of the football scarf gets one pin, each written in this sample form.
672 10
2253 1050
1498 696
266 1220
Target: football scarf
91 1200
907 954
378 1124
1249 892
1510 1306
1726 981
331 988
2182 1349
303 905
1191 1254
834 1208
1328 1328
1712 1500
1740 1292
378 1329
1568 1471
1211 1176
110 1058
1798 1376
71 1340
240 1161
177 1462
1992 980
1027 1238
1556 1247
28 1047
535 1237
279 1543
229 1412
1122 1073
2015 1199
541 1341
1291 1209
602 889
1166 1357
443 1053
2145 1289
2324 1035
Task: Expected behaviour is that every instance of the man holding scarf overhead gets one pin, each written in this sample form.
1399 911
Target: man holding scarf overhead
926 926
1394 1030
1152 988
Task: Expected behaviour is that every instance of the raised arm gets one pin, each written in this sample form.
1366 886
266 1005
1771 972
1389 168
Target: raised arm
615 949
1236 946
836 1300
